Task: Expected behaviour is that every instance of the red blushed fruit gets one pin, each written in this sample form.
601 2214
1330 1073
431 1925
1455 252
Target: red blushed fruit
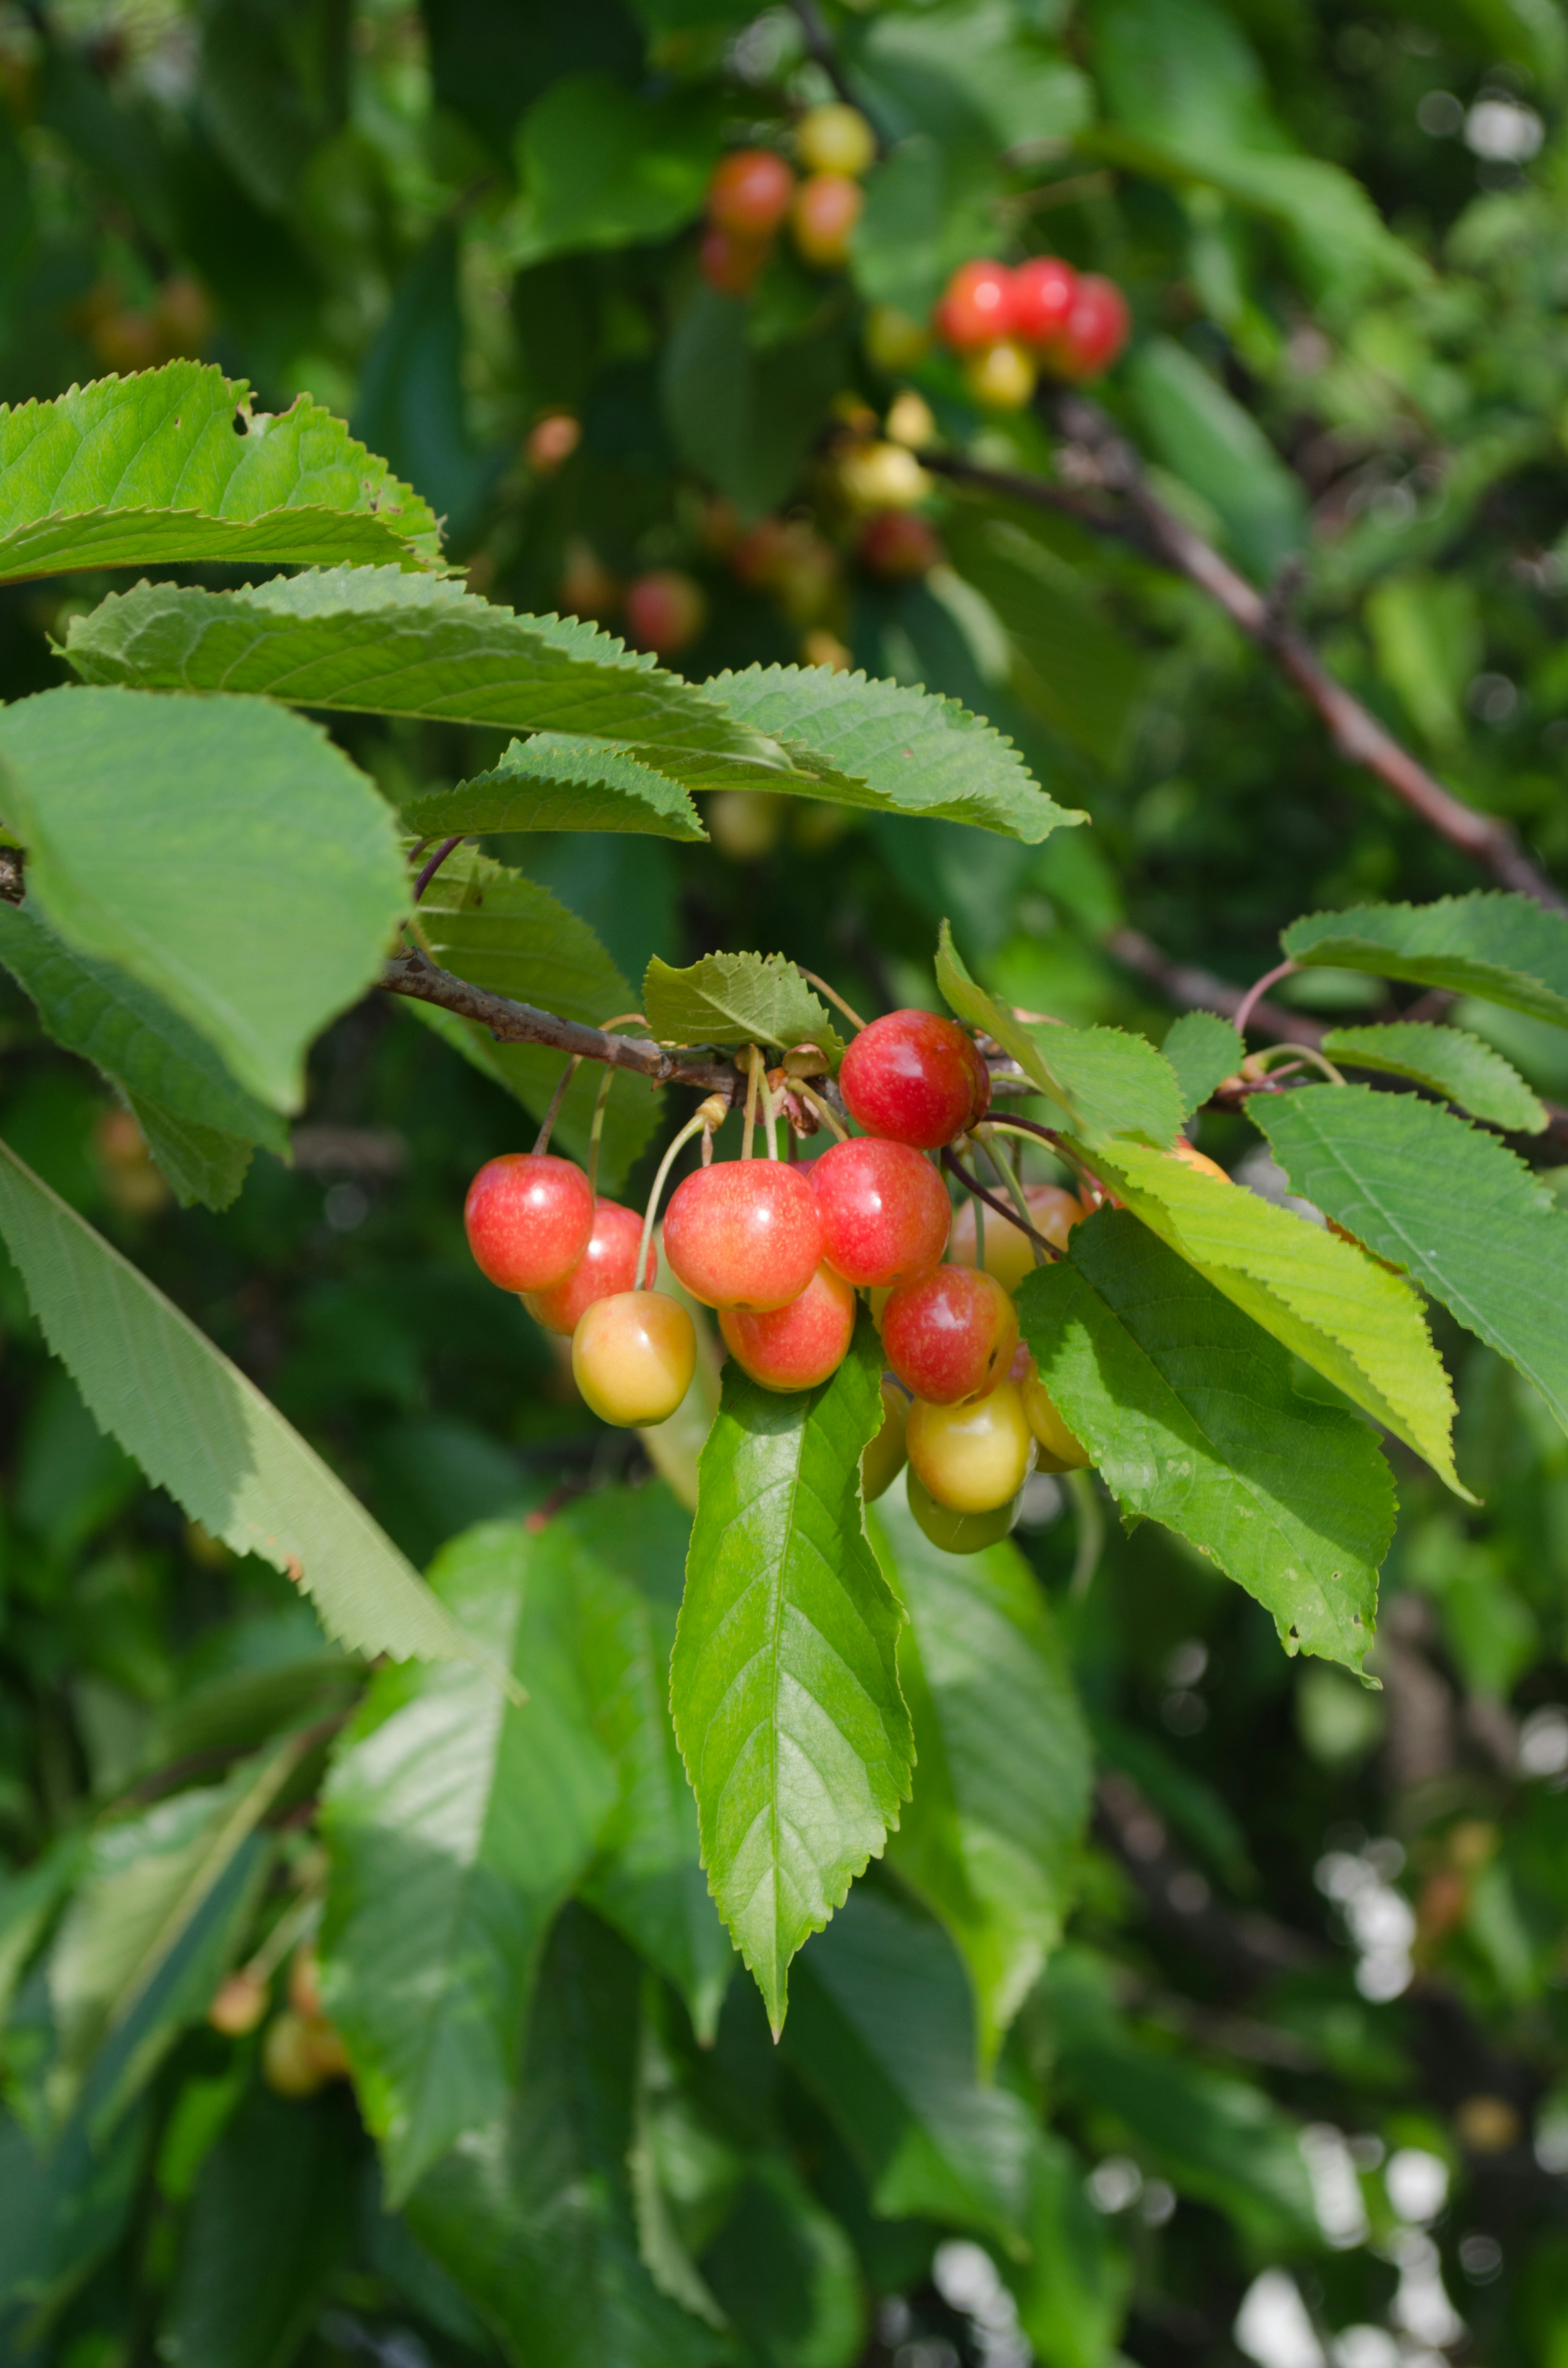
884 1212
607 1266
1043 290
528 1217
744 1234
915 1078
794 1347
729 263
750 192
950 1335
826 210
1095 330
976 307
664 610
898 544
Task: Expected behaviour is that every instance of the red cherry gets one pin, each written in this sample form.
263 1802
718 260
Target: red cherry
744 1234
794 1347
528 1217
728 262
895 544
950 1334
1095 330
884 1212
977 306
608 1265
1043 290
750 192
664 610
915 1077
822 217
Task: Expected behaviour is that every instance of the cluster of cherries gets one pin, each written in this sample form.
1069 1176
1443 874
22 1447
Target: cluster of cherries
1008 325
780 1252
755 192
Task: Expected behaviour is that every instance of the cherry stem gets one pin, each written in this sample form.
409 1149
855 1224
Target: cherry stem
693 1126
1030 1130
753 1060
824 1109
770 1116
597 1125
552 1113
434 864
1091 1532
1014 1191
1300 1052
973 1184
979 1208
1257 992
833 995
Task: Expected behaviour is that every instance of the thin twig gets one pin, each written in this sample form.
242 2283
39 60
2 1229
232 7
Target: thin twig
434 864
973 1184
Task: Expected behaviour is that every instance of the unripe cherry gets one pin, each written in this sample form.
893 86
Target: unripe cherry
885 1455
1058 1450
749 193
899 545
794 1347
290 2064
960 1533
1043 290
822 218
745 1233
972 1458
1095 330
633 1357
238 2004
894 341
528 1217
950 1334
835 139
1008 1254
915 1077
1001 376
728 262
884 1210
666 610
607 1266
1190 1156
976 307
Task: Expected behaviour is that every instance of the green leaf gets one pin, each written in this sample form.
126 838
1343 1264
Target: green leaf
199 1428
1071 2290
1507 948
1110 1084
268 116
222 851
737 999
1430 644
787 2274
556 782
1009 79
1203 1050
1450 1205
784 1684
893 749
1359 1326
174 464
532 2216
1002 1761
882 2031
629 1552
458 1822
743 419
1448 1062
606 166
201 1163
490 925
1187 1407
1202 433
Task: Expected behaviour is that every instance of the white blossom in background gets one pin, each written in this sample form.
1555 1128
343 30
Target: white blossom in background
1380 1919
1543 1742
1421 2306
1503 130
1367 2346
968 2279
1336 2191
1416 2184
1272 2326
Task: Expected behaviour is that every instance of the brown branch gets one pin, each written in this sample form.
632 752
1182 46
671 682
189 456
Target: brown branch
1199 990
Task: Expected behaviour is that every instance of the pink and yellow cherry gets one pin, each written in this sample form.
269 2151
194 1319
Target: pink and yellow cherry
666 610
634 1355
1095 331
898 545
745 1233
794 1347
915 1078
1058 1450
608 1264
974 1457
823 216
238 2004
960 1533
1190 1156
976 307
293 2063
950 1335
750 192
1009 1256
835 139
528 1217
884 1211
885 1455
1043 292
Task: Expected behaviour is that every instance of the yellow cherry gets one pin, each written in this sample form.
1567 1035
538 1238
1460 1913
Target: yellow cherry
974 1457
634 1355
960 1533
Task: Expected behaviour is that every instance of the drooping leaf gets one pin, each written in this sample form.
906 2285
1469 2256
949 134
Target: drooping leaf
737 999
1186 1407
221 851
199 1428
1203 1050
556 782
1109 1083
1447 1061
1002 1761
458 1822
1507 948
1450 1205
784 1683
201 1163
174 464
1072 2290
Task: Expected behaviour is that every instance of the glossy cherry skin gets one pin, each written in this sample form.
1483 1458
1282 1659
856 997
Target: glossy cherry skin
835 139
794 1347
976 307
1095 330
822 217
607 1266
528 1217
886 1454
884 1211
1008 1254
1043 290
972 1458
633 1357
915 1078
1058 1450
960 1533
745 1233
750 192
950 1335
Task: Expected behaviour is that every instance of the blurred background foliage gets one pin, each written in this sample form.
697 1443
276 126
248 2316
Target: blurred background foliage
1344 233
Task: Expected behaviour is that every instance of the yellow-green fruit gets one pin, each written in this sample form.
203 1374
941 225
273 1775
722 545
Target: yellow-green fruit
289 2063
1058 1451
960 1533
1009 1255
238 2005
1001 376
835 139
634 1355
884 1458
896 341
973 1457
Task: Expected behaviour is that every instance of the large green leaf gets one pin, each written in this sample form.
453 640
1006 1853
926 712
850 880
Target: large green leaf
990 1838
737 999
742 417
557 782
1186 1407
606 166
1359 1326
222 851
199 1428
786 2273
458 1823
1448 1205
532 2215
1201 432
1109 1083
1203 1050
784 1683
202 1163
1448 1062
1071 2290
1508 949
175 465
